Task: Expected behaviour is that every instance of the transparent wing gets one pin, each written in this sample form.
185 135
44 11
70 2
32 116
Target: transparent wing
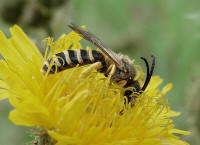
94 40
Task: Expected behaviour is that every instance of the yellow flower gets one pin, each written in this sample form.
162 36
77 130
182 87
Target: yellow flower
75 111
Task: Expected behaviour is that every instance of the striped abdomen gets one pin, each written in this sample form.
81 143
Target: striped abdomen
71 58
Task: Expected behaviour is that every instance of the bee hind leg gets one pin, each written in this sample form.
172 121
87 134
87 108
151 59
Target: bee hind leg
96 65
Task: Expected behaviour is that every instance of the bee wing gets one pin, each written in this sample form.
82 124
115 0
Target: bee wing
96 41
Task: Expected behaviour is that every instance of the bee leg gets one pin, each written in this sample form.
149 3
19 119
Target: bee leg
112 71
96 65
122 83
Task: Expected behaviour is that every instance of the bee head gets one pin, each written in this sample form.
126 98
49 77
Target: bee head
128 72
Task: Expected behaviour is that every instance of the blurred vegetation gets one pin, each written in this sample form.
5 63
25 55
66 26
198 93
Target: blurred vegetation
168 29
193 106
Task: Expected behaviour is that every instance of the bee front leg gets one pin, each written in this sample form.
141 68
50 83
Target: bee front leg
111 73
96 65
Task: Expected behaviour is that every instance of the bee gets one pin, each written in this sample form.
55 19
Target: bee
119 68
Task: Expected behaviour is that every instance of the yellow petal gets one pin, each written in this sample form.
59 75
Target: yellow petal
23 44
3 94
180 132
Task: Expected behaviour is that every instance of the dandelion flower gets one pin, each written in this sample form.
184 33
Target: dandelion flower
75 111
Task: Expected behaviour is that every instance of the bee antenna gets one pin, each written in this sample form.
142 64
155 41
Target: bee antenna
149 73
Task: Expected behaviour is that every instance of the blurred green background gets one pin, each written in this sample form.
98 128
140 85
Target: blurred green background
169 29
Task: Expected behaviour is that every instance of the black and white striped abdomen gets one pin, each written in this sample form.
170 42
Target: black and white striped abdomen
70 58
